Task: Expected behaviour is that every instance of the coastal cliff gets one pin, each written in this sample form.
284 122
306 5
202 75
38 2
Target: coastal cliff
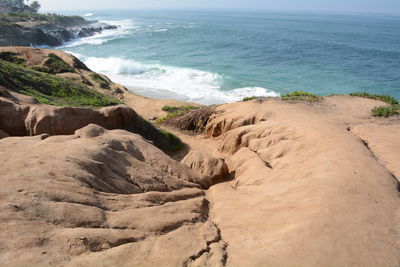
31 29
299 180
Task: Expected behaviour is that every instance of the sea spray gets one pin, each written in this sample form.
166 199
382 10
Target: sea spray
172 82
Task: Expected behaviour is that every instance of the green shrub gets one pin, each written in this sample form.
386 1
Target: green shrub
385 98
177 108
174 111
11 57
300 96
51 89
54 64
393 109
386 111
249 98
100 80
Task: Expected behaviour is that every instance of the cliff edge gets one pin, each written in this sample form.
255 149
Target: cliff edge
33 29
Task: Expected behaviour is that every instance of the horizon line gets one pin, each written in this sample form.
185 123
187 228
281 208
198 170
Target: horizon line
226 10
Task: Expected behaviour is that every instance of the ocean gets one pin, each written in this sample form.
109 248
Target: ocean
212 57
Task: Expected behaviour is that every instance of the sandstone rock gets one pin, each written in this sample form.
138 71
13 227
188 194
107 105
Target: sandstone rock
100 198
207 165
3 134
12 117
306 190
20 118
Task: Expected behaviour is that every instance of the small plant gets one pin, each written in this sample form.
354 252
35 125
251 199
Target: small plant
385 98
174 111
171 109
12 57
100 80
54 64
387 111
300 96
249 98
171 115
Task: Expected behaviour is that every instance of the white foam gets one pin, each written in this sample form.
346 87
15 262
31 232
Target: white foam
114 65
88 15
179 83
124 28
161 30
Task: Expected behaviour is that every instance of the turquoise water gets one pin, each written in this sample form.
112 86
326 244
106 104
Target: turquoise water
214 56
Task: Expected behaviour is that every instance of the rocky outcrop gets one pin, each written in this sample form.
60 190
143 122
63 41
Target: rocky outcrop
207 165
306 191
22 119
46 71
3 134
36 34
101 198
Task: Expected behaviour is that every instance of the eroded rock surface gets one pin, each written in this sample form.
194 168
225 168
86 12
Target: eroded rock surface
206 164
101 198
313 184
18 117
306 191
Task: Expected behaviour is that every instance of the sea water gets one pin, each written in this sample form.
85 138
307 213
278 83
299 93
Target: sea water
222 56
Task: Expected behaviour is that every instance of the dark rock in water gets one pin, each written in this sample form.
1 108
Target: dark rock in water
48 34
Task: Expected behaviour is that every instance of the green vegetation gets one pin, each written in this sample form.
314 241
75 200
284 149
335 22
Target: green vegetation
79 64
175 108
54 64
172 139
12 18
100 80
249 98
174 111
12 57
387 111
385 98
300 96
50 89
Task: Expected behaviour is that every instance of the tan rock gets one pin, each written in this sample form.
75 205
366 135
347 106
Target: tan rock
306 191
207 165
100 198
20 118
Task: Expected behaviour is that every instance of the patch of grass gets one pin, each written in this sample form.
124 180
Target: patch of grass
12 57
177 108
174 111
170 116
300 96
385 98
173 140
387 111
54 64
249 98
51 89
100 80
